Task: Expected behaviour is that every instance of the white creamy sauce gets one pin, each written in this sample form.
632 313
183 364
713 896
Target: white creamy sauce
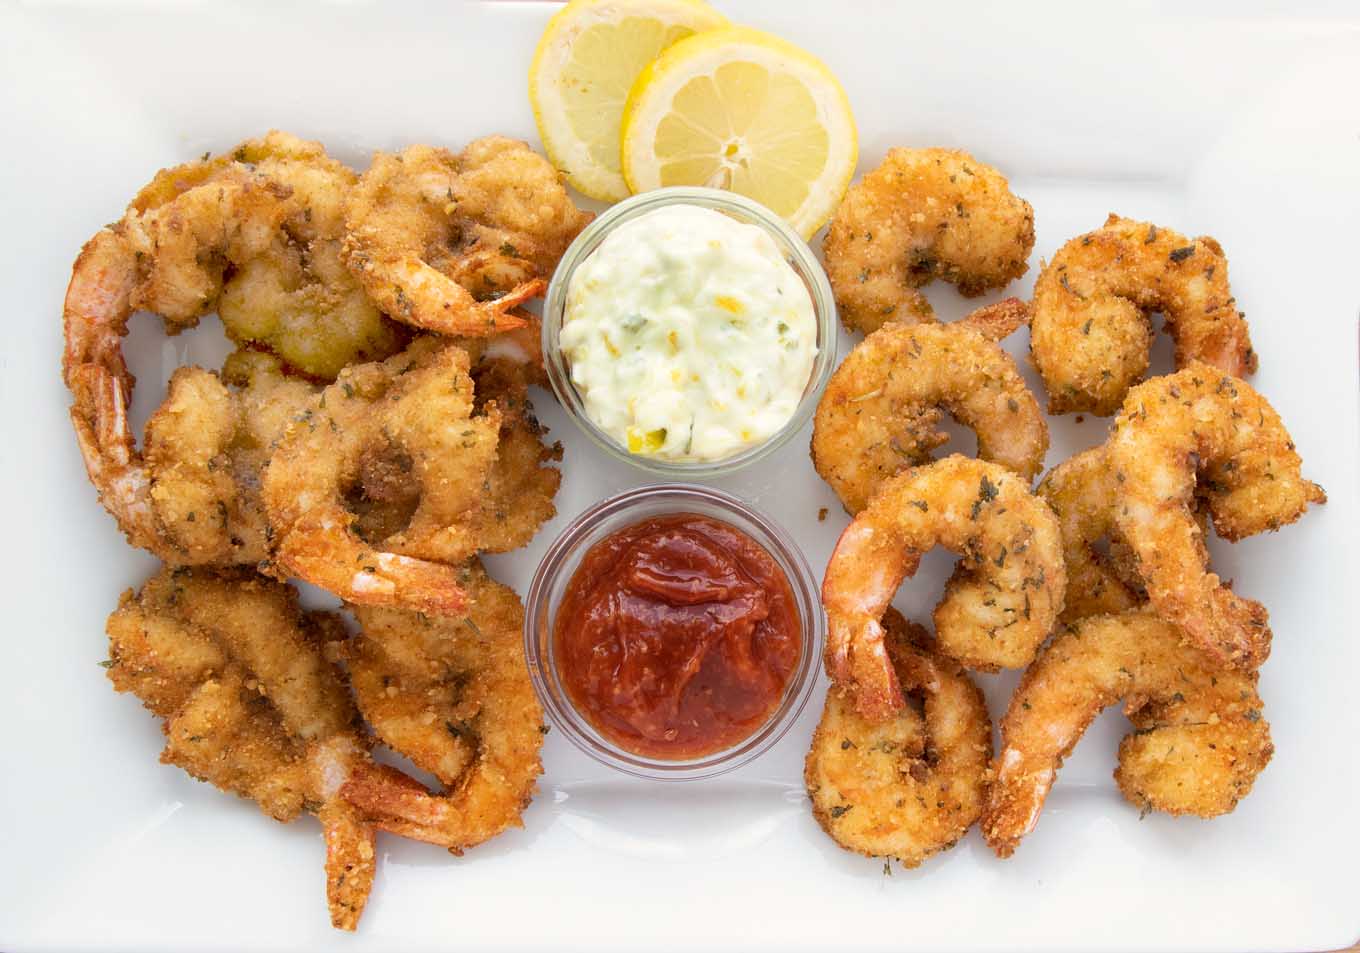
688 334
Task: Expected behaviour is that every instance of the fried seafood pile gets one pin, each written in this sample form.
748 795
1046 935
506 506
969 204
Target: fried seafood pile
371 435
1098 583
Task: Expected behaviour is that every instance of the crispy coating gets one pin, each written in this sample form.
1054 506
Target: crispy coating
453 694
417 409
1000 603
168 255
452 243
1102 570
250 704
297 298
246 233
909 787
921 215
1200 434
1199 740
1091 333
520 489
206 449
880 411
193 224
518 492
1081 491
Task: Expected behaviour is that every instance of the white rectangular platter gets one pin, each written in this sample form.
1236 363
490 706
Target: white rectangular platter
1236 120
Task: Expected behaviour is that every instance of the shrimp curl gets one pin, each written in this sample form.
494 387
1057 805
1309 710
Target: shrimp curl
1199 739
1002 600
921 215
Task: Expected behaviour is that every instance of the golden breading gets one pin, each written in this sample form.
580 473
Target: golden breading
911 786
453 694
453 243
1199 740
251 704
206 449
398 473
921 215
880 411
297 298
1091 333
1201 436
998 606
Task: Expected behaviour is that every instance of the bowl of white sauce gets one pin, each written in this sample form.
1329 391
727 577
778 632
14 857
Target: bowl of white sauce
689 331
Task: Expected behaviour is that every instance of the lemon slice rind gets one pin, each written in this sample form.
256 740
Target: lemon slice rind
652 101
562 102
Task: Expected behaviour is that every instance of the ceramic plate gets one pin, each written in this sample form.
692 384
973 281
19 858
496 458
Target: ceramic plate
1234 121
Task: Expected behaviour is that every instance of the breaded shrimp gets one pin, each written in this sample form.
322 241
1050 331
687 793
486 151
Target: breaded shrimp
251 705
520 489
1000 603
910 787
921 215
1199 739
1081 491
247 233
1202 434
297 298
453 694
206 449
168 255
412 415
453 243
880 409
1090 332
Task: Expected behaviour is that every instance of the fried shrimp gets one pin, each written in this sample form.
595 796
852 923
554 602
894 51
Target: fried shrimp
409 421
205 235
168 255
1199 739
880 411
1090 333
206 449
520 489
1200 434
921 215
297 298
453 694
250 704
1000 603
1081 491
452 243
910 787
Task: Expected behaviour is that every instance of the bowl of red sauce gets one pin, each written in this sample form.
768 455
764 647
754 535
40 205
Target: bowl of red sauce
673 632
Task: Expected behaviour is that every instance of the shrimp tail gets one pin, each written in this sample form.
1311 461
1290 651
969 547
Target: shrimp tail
383 579
99 416
861 662
401 805
996 322
351 859
453 310
97 306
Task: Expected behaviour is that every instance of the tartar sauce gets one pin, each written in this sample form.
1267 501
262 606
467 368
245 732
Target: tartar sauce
688 334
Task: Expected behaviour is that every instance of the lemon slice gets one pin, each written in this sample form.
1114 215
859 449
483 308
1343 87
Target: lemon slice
742 110
585 64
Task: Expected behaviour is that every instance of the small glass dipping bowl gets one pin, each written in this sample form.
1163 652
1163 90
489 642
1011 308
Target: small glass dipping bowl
608 516
796 253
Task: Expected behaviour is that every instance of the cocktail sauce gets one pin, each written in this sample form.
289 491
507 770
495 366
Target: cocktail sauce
677 636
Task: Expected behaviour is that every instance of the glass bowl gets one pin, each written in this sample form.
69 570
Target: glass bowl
796 253
608 516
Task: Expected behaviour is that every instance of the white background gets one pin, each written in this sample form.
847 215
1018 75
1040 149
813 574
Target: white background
1244 125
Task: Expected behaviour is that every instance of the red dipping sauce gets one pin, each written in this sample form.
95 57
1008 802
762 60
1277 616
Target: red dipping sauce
677 636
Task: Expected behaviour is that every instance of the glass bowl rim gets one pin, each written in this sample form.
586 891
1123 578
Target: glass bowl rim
804 263
577 537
